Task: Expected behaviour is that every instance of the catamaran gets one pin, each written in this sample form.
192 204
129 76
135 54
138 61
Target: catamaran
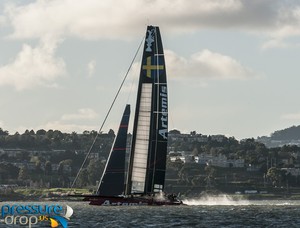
145 181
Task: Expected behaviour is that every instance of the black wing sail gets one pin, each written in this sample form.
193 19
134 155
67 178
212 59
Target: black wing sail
113 178
147 165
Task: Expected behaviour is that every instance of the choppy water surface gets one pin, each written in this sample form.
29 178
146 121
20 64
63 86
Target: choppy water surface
209 212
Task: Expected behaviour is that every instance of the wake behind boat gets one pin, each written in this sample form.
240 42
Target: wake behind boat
145 180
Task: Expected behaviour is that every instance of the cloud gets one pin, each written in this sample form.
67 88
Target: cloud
274 43
206 64
64 127
33 66
88 19
91 66
2 21
291 116
82 114
49 21
73 122
288 21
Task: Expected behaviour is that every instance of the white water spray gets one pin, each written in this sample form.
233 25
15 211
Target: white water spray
160 197
217 200
238 200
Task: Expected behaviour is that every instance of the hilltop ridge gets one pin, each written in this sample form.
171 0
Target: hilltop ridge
287 136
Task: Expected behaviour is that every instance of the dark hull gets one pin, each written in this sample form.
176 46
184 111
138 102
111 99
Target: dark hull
130 201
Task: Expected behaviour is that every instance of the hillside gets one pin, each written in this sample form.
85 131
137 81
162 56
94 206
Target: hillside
291 133
287 136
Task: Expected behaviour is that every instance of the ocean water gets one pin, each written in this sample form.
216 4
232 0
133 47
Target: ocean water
219 211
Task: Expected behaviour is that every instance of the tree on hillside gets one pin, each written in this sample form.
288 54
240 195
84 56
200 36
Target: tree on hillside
38 167
2 132
82 180
95 170
274 174
111 133
49 134
210 175
195 152
60 169
174 131
41 132
23 173
48 168
8 170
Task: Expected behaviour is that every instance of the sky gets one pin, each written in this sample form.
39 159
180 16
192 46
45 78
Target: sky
232 65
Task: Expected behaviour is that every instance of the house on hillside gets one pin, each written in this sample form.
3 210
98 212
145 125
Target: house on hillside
220 161
176 157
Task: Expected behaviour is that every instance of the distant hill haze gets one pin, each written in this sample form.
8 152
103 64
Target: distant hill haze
291 133
288 136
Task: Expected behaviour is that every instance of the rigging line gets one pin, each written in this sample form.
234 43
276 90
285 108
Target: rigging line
133 82
115 98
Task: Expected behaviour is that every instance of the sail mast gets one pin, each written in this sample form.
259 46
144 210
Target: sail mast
149 141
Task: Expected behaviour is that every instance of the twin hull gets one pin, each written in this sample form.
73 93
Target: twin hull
129 201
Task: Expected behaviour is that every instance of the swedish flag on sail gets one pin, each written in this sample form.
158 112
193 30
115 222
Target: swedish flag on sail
153 65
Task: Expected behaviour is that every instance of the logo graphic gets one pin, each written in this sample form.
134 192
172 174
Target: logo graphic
164 112
56 220
150 40
151 68
31 214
